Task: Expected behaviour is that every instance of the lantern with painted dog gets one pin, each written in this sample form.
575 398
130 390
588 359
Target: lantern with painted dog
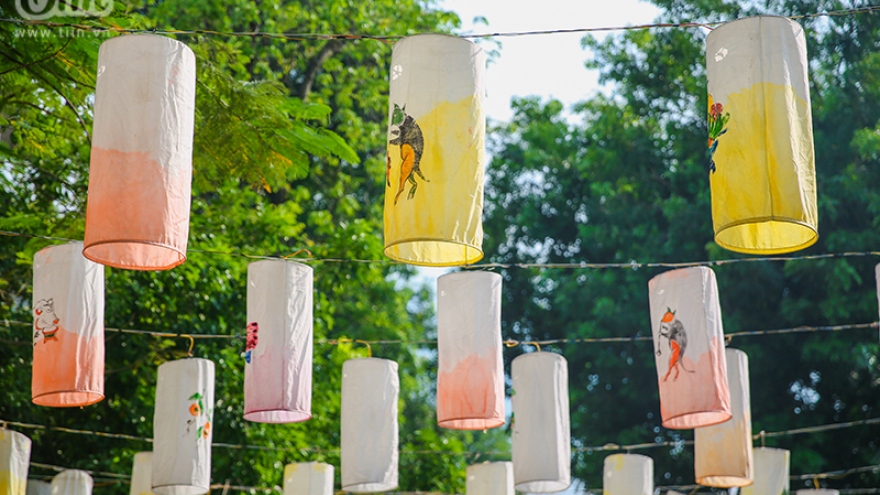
689 348
278 355
762 172
470 376
137 216
436 152
723 453
68 333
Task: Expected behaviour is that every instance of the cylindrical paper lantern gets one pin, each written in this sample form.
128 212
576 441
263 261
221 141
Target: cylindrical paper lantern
490 478
763 173
817 491
771 472
436 152
182 427
15 455
689 348
35 487
137 215
308 478
68 328
72 482
278 355
628 474
370 388
142 474
723 453
541 428
470 378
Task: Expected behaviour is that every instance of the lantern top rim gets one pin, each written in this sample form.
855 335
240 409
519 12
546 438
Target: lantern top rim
541 355
186 360
471 273
148 36
6 431
680 271
444 35
772 449
278 261
754 18
631 456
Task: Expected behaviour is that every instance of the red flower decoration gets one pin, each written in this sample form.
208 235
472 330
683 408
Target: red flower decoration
716 109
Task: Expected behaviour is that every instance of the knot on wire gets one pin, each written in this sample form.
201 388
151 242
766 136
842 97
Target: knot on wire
303 250
346 340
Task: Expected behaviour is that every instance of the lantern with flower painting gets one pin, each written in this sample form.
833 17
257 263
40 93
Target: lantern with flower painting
436 151
762 171
182 427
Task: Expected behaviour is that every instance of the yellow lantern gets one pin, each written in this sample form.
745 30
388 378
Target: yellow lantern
490 478
72 482
689 348
762 171
308 478
470 375
142 474
68 328
137 216
15 455
436 152
771 472
628 474
723 453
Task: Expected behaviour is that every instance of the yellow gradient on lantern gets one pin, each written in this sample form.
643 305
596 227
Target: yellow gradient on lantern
764 189
11 484
441 225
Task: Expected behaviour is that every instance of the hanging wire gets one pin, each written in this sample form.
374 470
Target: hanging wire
391 38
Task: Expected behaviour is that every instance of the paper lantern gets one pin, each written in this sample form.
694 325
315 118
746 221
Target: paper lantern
182 427
541 429
817 491
68 336
762 172
278 355
771 472
470 376
490 478
137 215
689 348
723 453
370 388
628 474
308 478
35 487
142 474
15 454
436 152
72 482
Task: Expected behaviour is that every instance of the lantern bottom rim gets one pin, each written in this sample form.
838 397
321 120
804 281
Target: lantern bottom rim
369 487
69 398
689 421
543 486
470 423
278 416
725 481
180 490
134 254
429 251
762 235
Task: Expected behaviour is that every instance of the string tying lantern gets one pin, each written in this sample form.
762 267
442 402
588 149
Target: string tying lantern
541 429
72 482
723 453
689 348
771 472
436 152
490 478
370 388
308 478
68 333
142 474
15 455
278 355
762 172
470 376
182 427
628 474
137 216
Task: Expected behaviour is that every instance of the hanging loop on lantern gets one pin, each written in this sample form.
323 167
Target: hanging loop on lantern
346 340
532 342
293 255
192 343
511 343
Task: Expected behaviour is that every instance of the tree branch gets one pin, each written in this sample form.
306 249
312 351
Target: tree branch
328 50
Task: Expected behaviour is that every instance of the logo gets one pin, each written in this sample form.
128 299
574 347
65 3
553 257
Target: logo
37 10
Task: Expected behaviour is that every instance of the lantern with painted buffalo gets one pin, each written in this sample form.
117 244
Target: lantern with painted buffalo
689 348
369 452
490 478
182 427
541 428
470 376
308 478
72 482
771 472
278 349
628 474
137 216
436 152
762 171
723 453
68 332
15 455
